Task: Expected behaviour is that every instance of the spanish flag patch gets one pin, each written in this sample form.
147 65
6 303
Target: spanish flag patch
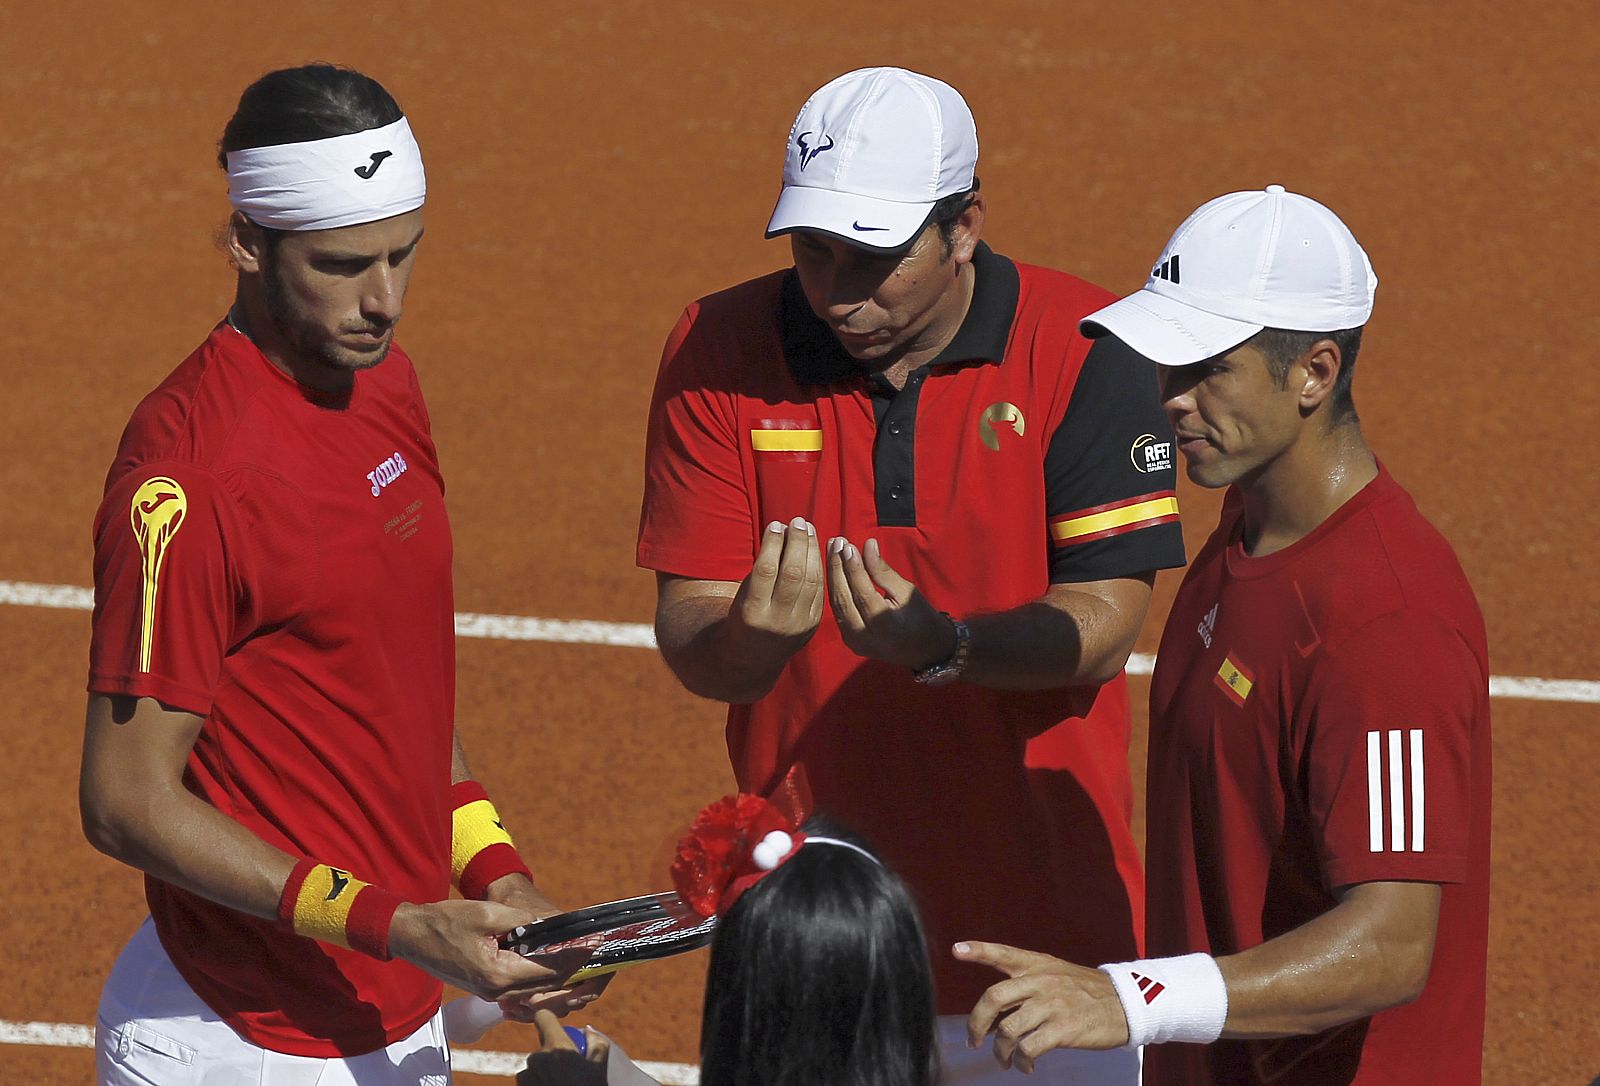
1114 518
1234 680
785 439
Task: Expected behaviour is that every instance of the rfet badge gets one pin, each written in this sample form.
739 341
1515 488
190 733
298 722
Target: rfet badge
1149 455
157 512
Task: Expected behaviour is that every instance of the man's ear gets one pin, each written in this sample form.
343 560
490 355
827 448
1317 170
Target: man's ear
1317 370
968 229
245 244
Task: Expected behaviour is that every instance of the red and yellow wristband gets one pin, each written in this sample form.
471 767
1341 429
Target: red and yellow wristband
330 904
481 850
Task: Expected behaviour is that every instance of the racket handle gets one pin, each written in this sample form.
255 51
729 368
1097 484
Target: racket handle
468 1018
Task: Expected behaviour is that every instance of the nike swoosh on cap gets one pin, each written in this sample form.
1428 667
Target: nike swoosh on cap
857 226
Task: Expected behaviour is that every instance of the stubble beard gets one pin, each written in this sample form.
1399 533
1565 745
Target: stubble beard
304 334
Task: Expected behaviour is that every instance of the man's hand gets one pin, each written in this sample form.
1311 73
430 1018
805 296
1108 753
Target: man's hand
779 603
1046 1004
519 892
731 640
459 942
558 1062
881 615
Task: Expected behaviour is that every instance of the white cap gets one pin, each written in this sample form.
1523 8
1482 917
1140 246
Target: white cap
1244 262
871 153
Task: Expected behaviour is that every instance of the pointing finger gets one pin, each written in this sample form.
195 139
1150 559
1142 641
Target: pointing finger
1008 959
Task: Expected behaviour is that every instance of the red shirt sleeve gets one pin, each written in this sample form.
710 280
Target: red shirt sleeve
169 588
696 519
1389 750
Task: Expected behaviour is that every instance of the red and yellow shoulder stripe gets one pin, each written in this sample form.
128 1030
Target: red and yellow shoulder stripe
1114 518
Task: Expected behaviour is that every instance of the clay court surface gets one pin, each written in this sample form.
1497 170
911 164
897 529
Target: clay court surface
594 168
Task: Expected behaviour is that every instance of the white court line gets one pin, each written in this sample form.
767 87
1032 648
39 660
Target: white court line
627 634
471 1060
639 635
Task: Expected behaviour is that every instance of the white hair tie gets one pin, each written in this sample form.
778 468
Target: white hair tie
328 183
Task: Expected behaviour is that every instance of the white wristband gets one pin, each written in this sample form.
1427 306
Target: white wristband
1171 999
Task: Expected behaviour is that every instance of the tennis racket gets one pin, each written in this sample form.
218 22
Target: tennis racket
635 929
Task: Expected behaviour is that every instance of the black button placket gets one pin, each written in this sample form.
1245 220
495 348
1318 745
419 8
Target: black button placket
894 459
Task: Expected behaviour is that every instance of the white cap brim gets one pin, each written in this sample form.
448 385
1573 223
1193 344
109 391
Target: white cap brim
1166 331
859 220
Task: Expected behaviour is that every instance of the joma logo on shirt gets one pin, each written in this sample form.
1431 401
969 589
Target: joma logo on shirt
386 473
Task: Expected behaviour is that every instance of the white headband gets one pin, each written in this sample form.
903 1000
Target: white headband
328 183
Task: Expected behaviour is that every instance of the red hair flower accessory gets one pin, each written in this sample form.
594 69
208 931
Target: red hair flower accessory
733 843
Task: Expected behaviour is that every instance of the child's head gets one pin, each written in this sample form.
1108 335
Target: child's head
819 975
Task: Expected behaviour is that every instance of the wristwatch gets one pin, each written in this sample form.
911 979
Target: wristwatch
950 668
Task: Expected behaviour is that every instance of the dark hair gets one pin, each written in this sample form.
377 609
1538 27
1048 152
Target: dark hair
819 976
947 211
1281 346
312 102
295 105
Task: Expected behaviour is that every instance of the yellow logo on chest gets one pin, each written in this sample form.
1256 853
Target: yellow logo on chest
997 417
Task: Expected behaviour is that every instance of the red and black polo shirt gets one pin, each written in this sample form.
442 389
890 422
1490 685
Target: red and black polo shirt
1020 457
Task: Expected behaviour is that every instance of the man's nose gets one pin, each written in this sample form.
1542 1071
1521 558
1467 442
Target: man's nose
1176 383
385 291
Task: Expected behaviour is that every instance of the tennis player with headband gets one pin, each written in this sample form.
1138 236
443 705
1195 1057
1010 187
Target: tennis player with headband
271 735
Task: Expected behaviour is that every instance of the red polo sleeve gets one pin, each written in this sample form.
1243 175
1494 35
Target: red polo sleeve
696 519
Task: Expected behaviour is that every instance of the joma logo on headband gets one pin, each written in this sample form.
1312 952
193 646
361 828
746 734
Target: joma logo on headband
366 172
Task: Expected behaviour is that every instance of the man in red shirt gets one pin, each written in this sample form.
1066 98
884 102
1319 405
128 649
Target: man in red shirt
1319 773
995 496
271 733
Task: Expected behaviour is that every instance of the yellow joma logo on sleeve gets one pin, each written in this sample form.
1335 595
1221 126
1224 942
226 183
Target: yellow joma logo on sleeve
157 512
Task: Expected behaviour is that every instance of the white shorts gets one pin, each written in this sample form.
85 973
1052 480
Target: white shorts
152 1030
963 1066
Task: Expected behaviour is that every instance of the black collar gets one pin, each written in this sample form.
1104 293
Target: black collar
815 356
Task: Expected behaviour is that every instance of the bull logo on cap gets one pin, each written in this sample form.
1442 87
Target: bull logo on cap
807 152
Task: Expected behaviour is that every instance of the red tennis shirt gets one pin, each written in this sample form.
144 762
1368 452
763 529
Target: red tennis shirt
277 561
1319 717
1017 458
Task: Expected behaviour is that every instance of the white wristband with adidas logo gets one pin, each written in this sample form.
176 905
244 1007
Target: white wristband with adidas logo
1171 999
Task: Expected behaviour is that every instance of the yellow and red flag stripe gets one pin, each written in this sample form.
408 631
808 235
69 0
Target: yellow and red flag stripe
786 439
1235 680
1114 518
